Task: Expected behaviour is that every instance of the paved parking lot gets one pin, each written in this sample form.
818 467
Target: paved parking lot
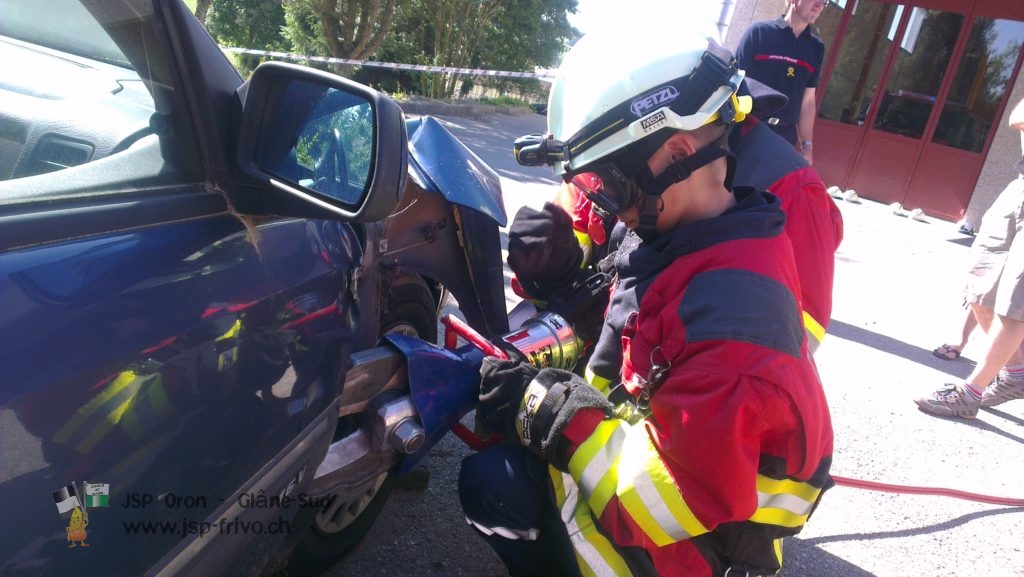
897 296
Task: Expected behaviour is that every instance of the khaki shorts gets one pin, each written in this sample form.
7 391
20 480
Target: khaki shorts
996 268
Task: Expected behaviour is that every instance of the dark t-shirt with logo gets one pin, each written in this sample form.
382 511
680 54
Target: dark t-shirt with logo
771 53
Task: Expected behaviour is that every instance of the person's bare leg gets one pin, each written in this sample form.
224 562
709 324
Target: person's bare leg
983 316
1003 339
970 323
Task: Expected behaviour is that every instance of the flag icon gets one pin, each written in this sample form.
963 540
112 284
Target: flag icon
66 499
96 494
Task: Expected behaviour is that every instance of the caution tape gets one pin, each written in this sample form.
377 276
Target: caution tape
391 65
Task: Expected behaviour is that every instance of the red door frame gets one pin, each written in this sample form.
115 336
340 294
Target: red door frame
992 8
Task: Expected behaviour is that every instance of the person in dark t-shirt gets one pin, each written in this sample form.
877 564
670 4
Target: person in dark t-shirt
787 56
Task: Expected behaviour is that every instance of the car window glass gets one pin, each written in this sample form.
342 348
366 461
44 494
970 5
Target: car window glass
83 83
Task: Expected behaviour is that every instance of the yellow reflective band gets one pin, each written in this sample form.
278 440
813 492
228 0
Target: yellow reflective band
814 329
232 332
91 421
650 495
595 461
99 431
600 383
595 553
778 550
800 489
783 502
586 245
150 408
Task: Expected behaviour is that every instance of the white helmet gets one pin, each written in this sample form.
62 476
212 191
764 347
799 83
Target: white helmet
615 89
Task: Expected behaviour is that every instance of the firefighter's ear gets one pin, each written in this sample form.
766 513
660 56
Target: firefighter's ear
680 145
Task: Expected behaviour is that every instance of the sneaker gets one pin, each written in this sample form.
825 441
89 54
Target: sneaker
950 401
1000 391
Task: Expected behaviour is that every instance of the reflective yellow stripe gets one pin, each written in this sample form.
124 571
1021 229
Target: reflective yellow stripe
91 411
595 461
815 332
99 431
595 554
804 491
650 495
93 421
784 502
149 409
619 459
231 332
586 245
600 383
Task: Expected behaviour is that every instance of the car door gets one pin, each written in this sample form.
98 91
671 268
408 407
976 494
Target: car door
167 366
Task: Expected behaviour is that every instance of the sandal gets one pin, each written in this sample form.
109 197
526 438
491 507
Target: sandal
947 353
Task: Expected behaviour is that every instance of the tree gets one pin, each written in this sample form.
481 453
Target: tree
202 8
254 24
350 29
516 35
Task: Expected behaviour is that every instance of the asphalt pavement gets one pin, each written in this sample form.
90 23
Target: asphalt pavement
897 296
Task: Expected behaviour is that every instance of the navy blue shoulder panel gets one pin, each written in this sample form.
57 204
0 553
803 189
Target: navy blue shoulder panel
762 156
743 306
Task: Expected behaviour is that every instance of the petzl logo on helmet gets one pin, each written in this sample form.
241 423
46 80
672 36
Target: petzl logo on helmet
656 99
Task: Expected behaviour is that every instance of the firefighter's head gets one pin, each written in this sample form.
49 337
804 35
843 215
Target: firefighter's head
620 98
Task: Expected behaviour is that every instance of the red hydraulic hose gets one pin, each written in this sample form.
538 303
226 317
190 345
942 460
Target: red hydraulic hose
939 491
455 327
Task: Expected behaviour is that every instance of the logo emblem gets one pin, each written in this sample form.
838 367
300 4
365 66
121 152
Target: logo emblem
67 499
653 122
790 72
656 99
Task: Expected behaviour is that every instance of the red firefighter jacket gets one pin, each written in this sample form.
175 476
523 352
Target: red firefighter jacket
737 446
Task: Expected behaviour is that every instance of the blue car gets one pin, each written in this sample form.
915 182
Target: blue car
196 272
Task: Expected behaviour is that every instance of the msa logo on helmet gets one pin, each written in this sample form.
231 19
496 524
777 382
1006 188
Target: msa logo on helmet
653 122
656 99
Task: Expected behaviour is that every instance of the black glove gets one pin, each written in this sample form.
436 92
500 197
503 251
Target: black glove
501 392
542 250
533 406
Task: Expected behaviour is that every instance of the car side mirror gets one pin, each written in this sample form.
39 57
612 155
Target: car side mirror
338 147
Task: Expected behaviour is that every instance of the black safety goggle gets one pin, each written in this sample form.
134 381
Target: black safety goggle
608 189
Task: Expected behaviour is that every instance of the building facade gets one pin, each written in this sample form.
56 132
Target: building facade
913 98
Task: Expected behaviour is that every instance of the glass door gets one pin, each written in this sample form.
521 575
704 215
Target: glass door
920 52
952 158
852 81
911 99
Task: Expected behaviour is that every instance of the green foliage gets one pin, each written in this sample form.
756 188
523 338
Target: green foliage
505 100
517 35
255 24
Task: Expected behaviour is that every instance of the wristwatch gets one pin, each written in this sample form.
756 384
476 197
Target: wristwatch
806 145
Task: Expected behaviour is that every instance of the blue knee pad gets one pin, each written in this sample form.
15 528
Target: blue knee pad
506 486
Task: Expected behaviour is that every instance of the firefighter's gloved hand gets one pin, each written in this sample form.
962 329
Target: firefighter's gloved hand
542 250
543 403
501 390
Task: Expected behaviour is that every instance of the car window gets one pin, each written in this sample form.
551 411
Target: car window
85 83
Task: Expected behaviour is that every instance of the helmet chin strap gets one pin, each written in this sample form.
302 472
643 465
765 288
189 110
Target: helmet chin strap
650 206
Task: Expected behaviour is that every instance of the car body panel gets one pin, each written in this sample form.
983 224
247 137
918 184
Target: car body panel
126 355
155 337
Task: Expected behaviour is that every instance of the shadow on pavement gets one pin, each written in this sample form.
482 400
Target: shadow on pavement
802 558
899 348
962 241
805 558
934 528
